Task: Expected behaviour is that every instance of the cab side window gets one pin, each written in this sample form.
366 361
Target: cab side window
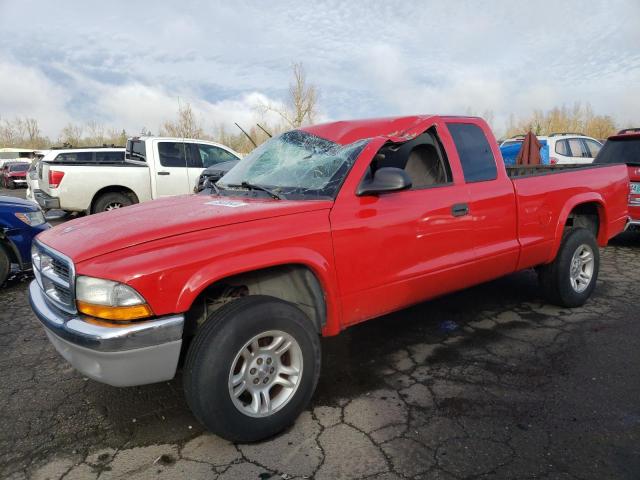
593 147
562 148
577 148
173 154
422 158
476 157
212 155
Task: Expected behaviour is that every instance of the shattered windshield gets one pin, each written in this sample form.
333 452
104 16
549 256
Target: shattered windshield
295 164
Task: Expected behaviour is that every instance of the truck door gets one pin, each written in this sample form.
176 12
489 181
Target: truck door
398 248
492 200
172 176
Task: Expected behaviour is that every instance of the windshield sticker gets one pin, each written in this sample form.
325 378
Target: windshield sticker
226 203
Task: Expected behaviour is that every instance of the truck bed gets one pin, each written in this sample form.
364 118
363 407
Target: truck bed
515 171
544 199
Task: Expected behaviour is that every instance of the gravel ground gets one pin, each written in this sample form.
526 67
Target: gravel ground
486 383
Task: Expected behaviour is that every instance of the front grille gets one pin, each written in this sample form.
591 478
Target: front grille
61 269
55 275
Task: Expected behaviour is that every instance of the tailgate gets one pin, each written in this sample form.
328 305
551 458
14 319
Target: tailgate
43 177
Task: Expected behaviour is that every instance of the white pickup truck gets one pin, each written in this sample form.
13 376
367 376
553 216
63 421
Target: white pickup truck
152 167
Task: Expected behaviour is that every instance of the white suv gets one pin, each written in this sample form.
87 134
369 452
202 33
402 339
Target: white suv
566 148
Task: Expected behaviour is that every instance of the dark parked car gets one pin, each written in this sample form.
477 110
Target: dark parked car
14 174
214 173
624 147
20 221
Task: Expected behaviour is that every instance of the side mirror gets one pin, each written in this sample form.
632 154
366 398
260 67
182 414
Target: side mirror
387 179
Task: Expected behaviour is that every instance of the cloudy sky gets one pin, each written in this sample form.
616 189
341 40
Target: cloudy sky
127 64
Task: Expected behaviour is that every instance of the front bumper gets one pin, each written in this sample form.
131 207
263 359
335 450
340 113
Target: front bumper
18 181
137 354
45 201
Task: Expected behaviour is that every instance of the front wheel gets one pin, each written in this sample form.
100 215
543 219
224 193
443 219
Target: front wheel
569 280
252 368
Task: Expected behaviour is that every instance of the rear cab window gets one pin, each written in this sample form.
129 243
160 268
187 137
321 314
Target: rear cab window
476 156
136 150
622 149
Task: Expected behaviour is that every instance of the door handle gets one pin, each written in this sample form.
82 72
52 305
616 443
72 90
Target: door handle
164 173
460 210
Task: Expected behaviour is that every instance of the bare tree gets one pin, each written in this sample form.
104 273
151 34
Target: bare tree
32 130
71 135
185 126
577 119
301 107
95 133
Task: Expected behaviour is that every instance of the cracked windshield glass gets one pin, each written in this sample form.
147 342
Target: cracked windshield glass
295 165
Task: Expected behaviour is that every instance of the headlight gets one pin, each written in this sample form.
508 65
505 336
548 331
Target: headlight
110 300
31 218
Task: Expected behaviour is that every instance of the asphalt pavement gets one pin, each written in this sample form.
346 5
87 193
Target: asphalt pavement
490 382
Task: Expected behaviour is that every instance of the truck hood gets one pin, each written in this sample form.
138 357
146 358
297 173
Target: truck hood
13 202
96 235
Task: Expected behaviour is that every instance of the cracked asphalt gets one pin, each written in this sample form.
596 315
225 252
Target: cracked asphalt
488 383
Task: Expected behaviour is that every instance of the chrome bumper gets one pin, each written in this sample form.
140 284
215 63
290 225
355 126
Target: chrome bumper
45 201
136 354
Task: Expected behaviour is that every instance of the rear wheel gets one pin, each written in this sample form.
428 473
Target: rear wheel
5 265
252 368
111 201
569 280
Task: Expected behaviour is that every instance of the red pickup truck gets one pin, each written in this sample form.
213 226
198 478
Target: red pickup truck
316 230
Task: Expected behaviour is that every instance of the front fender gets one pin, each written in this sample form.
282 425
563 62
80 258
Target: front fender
319 265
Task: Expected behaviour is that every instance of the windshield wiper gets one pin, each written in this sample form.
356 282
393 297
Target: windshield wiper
253 186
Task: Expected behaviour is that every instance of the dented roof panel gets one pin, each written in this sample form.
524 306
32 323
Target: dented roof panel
349 131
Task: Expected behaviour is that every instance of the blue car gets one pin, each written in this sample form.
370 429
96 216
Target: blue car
20 222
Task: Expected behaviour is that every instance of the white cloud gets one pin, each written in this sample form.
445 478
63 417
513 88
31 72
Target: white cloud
129 63
26 92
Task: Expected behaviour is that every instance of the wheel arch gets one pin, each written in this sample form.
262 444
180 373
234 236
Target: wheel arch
11 249
297 283
587 211
113 189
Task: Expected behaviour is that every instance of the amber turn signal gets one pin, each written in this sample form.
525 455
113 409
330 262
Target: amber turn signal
132 312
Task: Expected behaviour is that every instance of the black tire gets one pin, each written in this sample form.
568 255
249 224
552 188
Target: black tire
555 279
10 184
212 353
110 200
5 265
